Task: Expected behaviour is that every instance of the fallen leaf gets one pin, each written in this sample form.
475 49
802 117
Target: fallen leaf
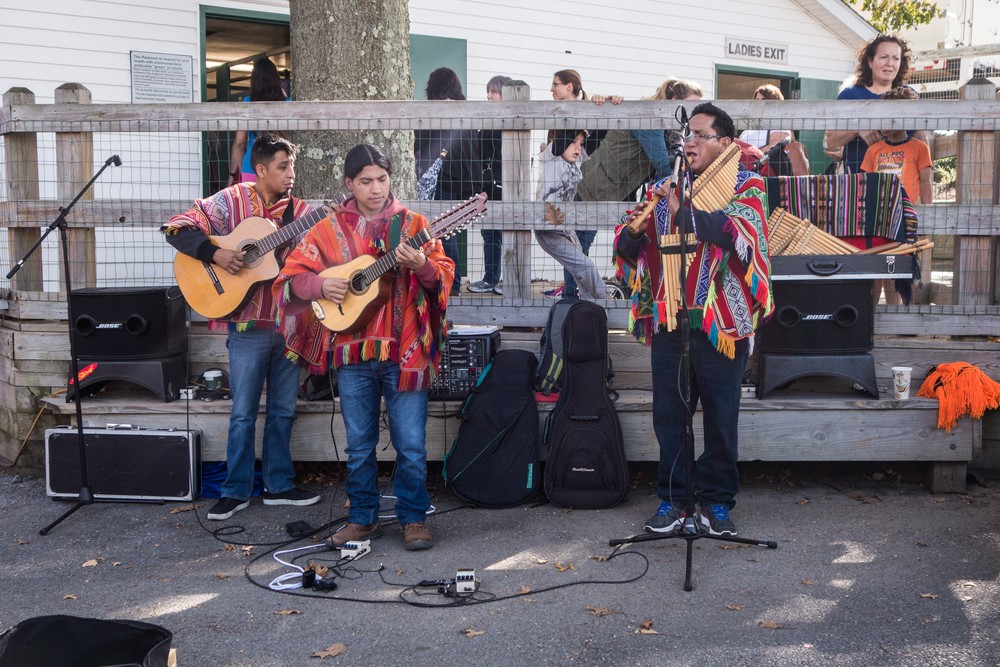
229 547
966 598
221 575
930 620
70 596
90 563
600 559
802 501
770 625
646 628
921 543
939 500
524 590
868 500
331 651
247 550
728 547
563 568
930 596
736 607
20 542
116 563
186 508
541 561
400 572
600 611
469 632
320 569
567 510
806 582
289 612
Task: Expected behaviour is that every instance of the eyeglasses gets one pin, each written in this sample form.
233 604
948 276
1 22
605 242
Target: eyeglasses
701 136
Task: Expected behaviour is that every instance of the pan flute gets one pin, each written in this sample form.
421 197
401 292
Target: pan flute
711 192
670 255
789 235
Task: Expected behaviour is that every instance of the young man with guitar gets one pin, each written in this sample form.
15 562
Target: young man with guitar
256 348
367 290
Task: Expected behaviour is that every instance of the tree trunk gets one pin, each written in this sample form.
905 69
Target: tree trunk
349 50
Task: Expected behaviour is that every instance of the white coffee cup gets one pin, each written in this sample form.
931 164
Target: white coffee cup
901 382
213 379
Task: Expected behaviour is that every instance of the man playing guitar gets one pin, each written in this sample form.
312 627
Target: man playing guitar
256 348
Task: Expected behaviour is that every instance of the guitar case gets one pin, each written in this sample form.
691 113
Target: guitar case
586 466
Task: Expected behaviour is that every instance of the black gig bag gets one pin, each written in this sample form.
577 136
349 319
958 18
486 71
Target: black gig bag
586 466
494 460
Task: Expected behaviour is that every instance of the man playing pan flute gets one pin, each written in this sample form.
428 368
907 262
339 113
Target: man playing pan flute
728 294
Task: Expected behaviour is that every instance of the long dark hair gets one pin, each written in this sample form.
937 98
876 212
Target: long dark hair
265 82
863 70
444 84
365 155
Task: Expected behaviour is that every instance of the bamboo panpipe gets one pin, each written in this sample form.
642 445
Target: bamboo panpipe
670 256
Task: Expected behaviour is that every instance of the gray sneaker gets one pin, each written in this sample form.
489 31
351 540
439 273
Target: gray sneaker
480 287
666 520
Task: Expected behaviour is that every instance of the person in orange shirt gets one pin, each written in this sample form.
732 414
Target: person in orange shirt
897 153
910 159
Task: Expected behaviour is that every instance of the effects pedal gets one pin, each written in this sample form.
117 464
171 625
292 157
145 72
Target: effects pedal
355 550
465 582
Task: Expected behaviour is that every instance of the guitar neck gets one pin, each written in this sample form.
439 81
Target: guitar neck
289 232
388 261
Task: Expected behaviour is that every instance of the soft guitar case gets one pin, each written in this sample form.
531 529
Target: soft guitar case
586 466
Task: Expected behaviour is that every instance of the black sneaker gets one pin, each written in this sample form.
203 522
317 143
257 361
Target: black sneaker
293 496
666 520
226 507
716 519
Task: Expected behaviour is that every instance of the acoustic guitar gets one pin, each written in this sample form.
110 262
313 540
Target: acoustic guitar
369 279
212 291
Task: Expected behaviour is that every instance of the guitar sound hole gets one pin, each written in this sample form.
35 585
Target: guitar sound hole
357 283
250 254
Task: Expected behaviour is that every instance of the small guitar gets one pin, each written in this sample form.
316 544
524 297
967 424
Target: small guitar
214 292
370 279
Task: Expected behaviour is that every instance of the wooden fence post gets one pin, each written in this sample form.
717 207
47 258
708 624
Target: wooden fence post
74 167
21 167
517 244
972 268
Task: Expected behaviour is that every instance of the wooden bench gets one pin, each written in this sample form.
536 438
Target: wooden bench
790 425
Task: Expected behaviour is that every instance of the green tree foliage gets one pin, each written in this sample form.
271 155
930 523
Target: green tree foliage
893 15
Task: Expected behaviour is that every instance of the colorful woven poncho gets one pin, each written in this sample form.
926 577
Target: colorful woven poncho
728 291
409 329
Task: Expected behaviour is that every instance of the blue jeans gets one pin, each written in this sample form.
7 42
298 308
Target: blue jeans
586 237
256 356
492 255
450 246
361 387
715 380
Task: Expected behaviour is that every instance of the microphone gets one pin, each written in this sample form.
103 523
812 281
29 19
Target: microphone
115 160
771 154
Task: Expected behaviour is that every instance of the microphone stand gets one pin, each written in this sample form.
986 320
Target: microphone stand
86 495
692 528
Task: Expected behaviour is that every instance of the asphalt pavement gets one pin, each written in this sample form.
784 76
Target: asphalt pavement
870 569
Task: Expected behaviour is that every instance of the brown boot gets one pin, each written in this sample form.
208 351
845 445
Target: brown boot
416 537
354 532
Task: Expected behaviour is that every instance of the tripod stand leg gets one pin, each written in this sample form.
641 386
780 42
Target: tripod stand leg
688 583
86 498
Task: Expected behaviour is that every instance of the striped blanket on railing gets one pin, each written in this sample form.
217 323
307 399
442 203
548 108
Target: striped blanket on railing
868 205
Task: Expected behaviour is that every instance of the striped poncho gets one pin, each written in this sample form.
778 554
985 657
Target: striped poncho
728 292
409 329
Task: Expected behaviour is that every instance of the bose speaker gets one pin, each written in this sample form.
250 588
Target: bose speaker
128 322
820 317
